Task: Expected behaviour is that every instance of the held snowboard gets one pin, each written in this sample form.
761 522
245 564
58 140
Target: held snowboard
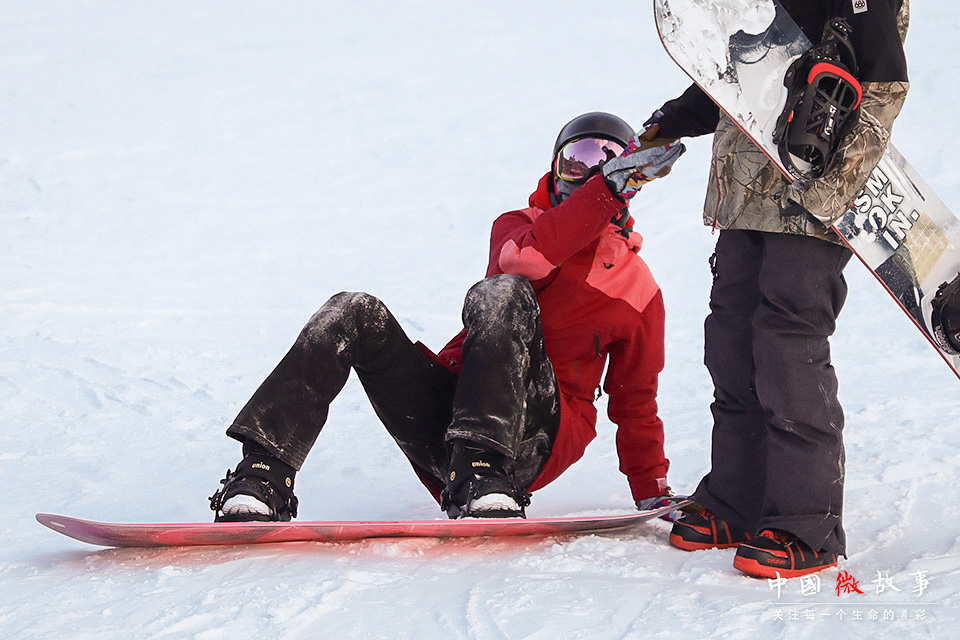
112 534
738 52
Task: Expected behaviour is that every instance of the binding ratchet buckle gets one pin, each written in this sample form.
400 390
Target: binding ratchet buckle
823 102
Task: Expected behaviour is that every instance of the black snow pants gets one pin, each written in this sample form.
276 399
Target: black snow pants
777 459
504 399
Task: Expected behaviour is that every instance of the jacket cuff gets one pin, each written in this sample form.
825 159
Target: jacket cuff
648 488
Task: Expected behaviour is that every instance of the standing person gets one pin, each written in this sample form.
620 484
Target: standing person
507 405
775 486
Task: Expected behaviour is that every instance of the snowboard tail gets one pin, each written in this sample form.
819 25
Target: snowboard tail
113 534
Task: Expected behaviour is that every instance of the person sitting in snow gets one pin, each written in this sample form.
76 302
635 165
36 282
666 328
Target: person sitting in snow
508 404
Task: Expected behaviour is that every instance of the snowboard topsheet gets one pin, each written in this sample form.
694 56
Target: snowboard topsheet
112 534
738 52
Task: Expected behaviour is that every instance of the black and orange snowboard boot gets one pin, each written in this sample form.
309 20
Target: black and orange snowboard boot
701 529
775 552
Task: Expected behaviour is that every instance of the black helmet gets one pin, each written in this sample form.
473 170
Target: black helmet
595 124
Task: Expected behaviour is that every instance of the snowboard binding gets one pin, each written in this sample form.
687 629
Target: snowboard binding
258 480
478 486
823 104
945 319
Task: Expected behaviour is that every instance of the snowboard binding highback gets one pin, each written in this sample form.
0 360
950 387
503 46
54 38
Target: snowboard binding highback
823 102
478 485
265 480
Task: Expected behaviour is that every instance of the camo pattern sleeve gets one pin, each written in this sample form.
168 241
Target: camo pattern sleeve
828 197
903 21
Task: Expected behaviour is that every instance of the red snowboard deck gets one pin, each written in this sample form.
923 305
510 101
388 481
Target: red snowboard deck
113 534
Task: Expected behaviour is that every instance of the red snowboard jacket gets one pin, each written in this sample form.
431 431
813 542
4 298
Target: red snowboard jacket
598 302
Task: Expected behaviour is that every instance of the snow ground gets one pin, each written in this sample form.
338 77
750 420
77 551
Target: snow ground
182 184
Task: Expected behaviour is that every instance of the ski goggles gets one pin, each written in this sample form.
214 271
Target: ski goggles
577 160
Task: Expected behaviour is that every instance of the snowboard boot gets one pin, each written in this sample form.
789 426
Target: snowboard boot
701 529
478 486
775 552
260 490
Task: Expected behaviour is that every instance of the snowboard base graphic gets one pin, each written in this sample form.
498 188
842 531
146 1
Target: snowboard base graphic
738 52
112 534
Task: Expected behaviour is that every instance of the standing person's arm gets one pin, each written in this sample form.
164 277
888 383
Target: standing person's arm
692 114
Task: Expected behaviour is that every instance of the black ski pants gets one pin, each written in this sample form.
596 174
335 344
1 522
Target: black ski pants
777 459
505 398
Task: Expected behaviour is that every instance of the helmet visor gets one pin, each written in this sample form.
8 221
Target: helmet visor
578 158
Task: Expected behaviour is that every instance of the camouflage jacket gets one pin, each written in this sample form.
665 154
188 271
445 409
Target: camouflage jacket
746 191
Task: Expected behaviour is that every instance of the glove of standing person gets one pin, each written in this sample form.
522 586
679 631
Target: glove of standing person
650 136
651 126
641 162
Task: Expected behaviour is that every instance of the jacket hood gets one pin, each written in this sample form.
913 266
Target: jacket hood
541 197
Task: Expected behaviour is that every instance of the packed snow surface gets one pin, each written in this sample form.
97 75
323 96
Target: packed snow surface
183 183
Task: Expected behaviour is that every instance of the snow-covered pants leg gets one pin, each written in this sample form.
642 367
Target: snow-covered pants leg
777 460
507 398
411 394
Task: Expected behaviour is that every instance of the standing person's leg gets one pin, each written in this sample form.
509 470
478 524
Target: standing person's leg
506 409
800 525
281 421
732 491
733 487
804 290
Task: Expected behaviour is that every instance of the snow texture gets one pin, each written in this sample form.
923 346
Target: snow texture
183 184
